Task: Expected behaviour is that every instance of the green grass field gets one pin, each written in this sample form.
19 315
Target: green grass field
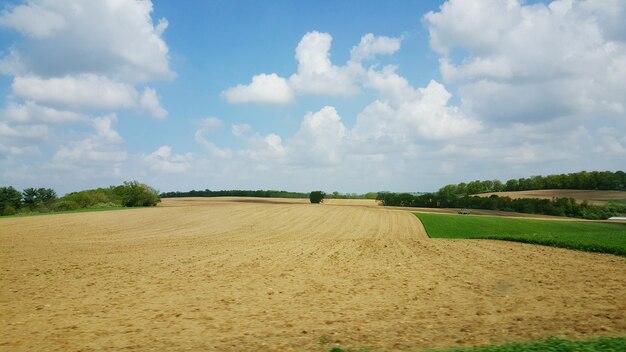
603 344
579 235
82 210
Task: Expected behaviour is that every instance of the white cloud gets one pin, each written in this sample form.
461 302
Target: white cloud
316 73
319 138
210 123
86 91
371 45
104 130
32 20
23 131
239 130
516 61
105 146
264 149
115 38
18 151
264 89
149 101
424 114
162 160
32 112
76 91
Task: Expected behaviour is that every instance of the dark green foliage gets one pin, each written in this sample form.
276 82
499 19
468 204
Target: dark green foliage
38 198
579 235
604 344
317 197
594 180
235 193
10 200
44 200
460 196
88 198
557 206
135 194
368 195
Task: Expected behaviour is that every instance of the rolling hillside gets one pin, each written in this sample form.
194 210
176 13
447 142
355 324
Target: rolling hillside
592 197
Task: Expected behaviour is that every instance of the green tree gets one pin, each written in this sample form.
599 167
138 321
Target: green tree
10 200
34 198
317 197
135 194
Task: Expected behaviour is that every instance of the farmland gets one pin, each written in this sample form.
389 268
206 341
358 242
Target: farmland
582 235
280 274
590 196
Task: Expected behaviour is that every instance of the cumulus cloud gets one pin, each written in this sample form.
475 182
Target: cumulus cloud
163 160
32 20
149 101
264 148
86 91
515 61
23 131
111 37
410 113
316 73
30 112
76 91
319 138
371 45
264 89
104 146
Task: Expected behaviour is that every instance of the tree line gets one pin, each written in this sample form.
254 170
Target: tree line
594 180
557 206
236 193
461 195
43 200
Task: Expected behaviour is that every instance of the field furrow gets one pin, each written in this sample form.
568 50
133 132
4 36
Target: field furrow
227 274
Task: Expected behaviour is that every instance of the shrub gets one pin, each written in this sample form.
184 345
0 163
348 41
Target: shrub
135 194
317 197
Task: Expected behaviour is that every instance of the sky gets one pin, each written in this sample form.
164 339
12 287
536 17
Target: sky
349 96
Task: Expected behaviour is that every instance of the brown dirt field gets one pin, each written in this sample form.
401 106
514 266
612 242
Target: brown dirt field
592 197
227 275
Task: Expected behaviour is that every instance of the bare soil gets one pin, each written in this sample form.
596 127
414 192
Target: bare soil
229 275
592 197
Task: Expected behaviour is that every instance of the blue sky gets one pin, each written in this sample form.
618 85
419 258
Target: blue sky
349 96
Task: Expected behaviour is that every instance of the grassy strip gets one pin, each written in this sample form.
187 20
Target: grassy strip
617 201
603 344
578 235
82 210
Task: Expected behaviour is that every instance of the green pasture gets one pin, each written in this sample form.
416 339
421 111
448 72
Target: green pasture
580 235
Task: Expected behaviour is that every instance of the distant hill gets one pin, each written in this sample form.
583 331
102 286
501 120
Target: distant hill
591 196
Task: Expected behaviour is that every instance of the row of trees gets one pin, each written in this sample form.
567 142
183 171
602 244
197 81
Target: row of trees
595 180
236 193
557 206
337 195
41 200
30 199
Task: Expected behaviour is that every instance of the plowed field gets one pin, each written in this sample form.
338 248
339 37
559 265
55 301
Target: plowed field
229 274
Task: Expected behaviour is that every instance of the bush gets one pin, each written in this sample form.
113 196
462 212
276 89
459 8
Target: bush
317 197
65 205
135 194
